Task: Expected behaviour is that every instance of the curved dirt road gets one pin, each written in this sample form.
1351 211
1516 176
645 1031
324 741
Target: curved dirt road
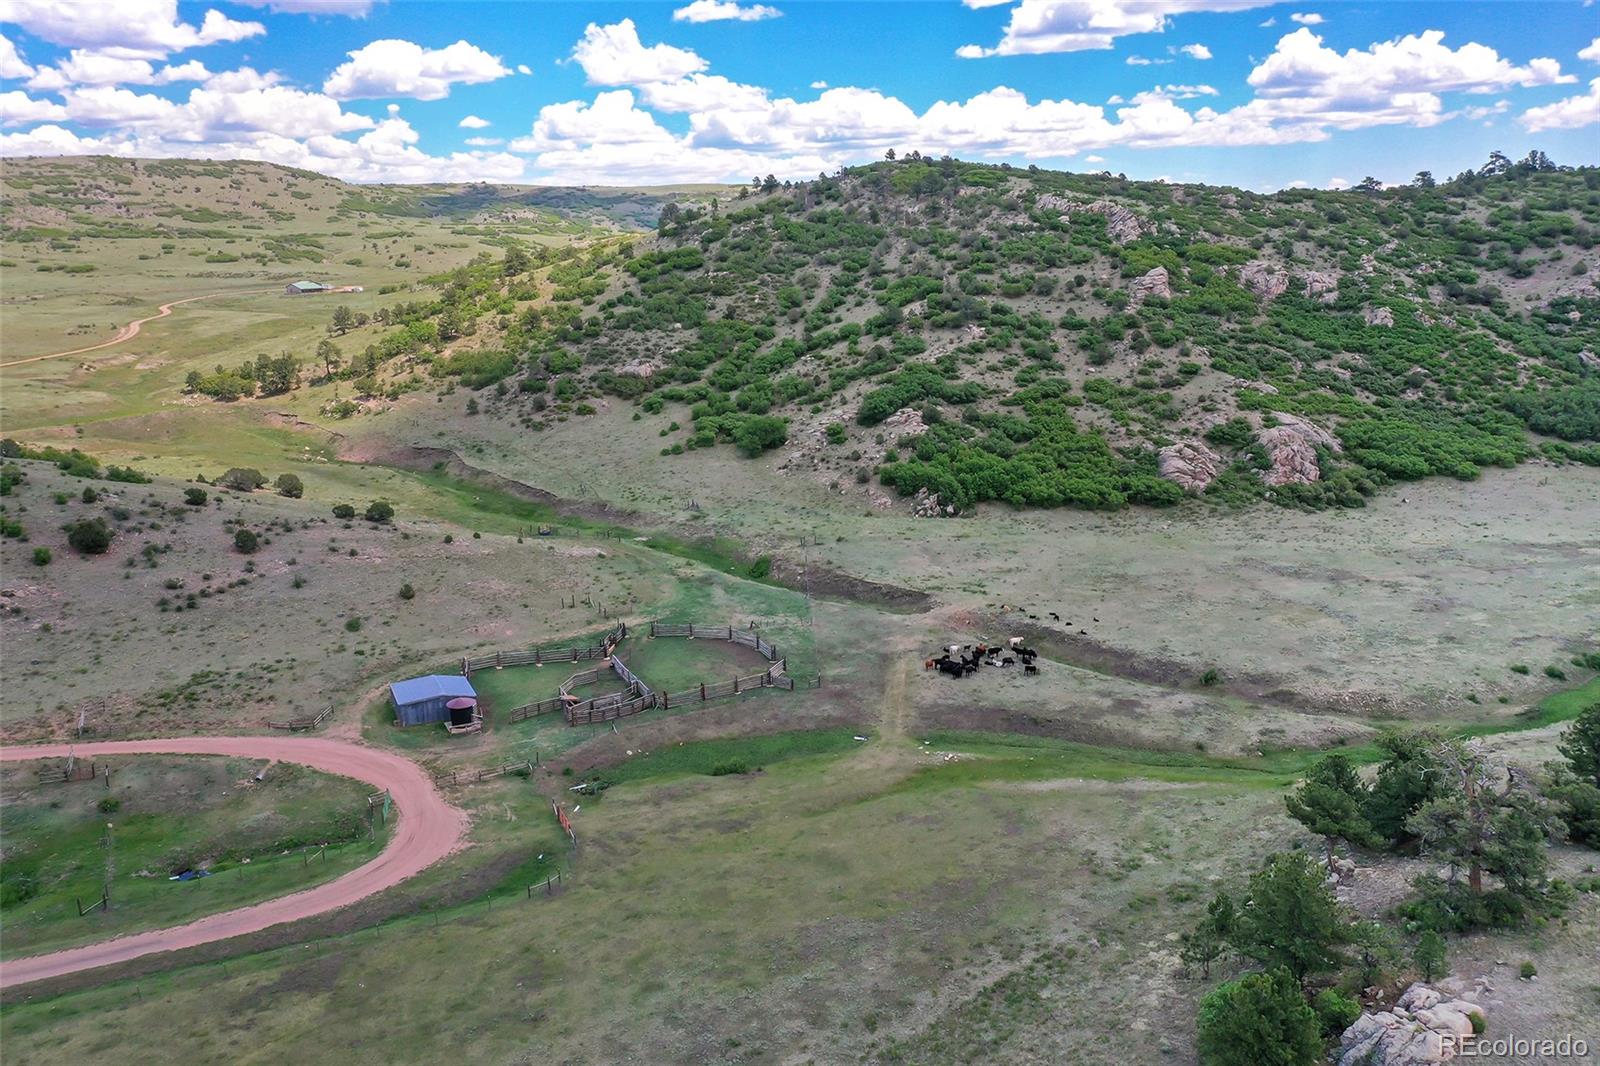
428 830
131 330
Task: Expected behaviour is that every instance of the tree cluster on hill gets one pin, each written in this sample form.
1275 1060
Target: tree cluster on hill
1000 299
1445 798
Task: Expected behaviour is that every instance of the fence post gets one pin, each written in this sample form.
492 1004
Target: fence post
736 686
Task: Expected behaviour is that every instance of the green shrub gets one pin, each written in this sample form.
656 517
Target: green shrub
344 511
195 497
1257 1020
291 486
1555 672
760 433
379 511
723 769
407 592
1519 668
246 541
243 479
1336 1011
352 625
90 536
1528 971
41 557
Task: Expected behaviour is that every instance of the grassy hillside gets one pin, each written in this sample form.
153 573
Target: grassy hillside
1044 339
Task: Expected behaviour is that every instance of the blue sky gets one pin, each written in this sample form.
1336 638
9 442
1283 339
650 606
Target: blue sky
1227 91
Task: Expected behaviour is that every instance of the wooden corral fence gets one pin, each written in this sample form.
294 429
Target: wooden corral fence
312 721
747 637
73 771
639 697
540 656
469 776
772 677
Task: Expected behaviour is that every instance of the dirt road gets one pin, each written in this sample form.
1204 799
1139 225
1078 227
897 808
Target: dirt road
428 830
131 330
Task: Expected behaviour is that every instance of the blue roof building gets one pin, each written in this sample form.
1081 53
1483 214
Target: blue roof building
421 700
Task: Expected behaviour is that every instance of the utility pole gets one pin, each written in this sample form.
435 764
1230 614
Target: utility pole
111 863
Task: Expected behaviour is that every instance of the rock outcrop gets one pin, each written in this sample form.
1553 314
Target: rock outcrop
1122 224
1423 1027
1291 448
927 505
1264 279
1321 285
1155 283
1378 316
1270 281
1190 465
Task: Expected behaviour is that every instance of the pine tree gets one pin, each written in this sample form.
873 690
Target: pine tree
1290 918
1430 955
1330 804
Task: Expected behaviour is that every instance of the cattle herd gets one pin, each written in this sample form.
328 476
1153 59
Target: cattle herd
959 660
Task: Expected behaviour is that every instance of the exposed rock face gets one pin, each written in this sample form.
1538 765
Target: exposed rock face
1291 449
1423 1027
1378 316
906 422
1312 432
1588 358
926 505
643 368
1155 283
1264 279
1321 285
1122 224
1190 465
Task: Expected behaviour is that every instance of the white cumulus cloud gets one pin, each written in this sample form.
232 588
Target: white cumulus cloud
17 108
1591 52
1310 18
12 65
393 67
1196 51
473 122
614 55
1568 114
724 10
1041 26
134 29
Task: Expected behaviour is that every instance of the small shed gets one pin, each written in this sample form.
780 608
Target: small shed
421 700
305 288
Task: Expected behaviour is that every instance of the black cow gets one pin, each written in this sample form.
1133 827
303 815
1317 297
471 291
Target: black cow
1029 668
1055 616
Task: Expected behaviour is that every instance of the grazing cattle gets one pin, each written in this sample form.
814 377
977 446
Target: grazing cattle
1015 642
1094 619
1029 668
927 664
1055 616
1083 632
1008 661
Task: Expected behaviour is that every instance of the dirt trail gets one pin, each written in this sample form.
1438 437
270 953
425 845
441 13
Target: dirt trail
896 700
429 830
131 330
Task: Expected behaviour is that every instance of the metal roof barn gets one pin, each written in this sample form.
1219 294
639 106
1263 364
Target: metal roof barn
421 700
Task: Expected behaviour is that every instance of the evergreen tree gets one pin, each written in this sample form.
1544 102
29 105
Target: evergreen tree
1330 804
1259 1020
1430 955
1291 919
1408 778
1208 941
1580 743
